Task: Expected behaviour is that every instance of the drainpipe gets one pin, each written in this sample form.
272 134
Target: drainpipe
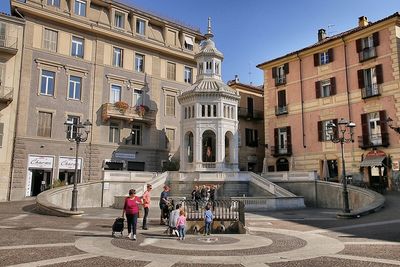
347 80
17 113
302 103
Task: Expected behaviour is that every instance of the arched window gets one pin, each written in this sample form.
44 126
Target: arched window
208 146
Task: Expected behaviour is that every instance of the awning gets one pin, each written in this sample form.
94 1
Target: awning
188 40
372 161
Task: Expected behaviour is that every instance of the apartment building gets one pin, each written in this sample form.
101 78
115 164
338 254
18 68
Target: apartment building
352 75
11 37
115 65
251 125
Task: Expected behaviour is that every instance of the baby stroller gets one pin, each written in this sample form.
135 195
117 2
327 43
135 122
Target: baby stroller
118 226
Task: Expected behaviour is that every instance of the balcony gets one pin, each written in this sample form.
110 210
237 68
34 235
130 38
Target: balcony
280 80
281 110
110 111
8 45
367 53
6 94
278 151
373 140
370 90
250 114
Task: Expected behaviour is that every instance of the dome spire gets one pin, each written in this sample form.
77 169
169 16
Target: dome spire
209 33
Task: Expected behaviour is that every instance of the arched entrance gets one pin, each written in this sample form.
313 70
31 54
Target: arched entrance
208 146
282 165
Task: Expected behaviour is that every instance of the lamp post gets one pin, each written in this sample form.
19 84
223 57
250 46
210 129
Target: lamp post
389 122
342 127
77 132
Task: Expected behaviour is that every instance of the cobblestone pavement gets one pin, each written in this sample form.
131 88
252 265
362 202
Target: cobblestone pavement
308 237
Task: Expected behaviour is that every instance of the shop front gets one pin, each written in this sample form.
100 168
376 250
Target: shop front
39 176
376 169
66 170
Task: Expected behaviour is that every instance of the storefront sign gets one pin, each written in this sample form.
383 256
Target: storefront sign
40 162
120 155
395 166
68 163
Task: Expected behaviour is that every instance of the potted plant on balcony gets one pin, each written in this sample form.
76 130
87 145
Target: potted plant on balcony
141 109
122 106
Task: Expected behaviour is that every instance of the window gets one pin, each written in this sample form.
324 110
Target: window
77 47
279 74
325 88
188 75
282 141
114 133
324 131
137 97
75 88
117 57
374 129
72 130
169 138
136 135
1 134
44 124
171 71
80 8
50 40
170 105
323 58
47 83
188 44
53 3
139 63
115 94
282 106
366 47
369 80
251 137
140 26
119 19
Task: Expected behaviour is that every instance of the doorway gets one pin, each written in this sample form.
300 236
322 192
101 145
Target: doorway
41 180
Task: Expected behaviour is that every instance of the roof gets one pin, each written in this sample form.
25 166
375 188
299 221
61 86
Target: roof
249 86
330 39
209 86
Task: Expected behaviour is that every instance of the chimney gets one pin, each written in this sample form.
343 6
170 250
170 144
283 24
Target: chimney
363 21
236 78
321 35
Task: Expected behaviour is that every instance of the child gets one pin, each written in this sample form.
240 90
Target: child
173 218
180 224
208 218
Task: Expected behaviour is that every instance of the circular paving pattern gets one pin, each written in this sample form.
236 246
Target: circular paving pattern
264 245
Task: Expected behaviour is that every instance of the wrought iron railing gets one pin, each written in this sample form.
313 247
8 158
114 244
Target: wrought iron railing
281 150
367 53
370 91
250 114
280 110
373 140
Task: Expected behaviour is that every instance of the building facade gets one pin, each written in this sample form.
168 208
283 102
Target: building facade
251 126
352 75
113 64
11 38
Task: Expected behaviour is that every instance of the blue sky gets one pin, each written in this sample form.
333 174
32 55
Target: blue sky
253 31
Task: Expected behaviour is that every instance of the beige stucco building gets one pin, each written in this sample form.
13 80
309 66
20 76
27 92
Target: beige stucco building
352 75
115 65
11 38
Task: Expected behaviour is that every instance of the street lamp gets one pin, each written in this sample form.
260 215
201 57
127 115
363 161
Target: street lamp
343 126
77 132
389 122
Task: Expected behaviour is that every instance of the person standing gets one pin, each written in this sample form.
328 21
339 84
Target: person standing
173 218
146 206
131 210
164 202
208 218
180 224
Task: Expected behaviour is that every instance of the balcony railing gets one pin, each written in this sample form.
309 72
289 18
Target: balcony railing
280 110
367 53
6 94
8 44
373 140
278 151
250 114
109 110
370 90
280 80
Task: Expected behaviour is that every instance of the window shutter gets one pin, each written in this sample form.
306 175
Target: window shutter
318 89
375 38
276 137
360 74
320 132
382 121
248 137
333 86
289 135
281 98
286 68
365 127
336 129
255 138
316 59
379 73
358 45
274 72
330 54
